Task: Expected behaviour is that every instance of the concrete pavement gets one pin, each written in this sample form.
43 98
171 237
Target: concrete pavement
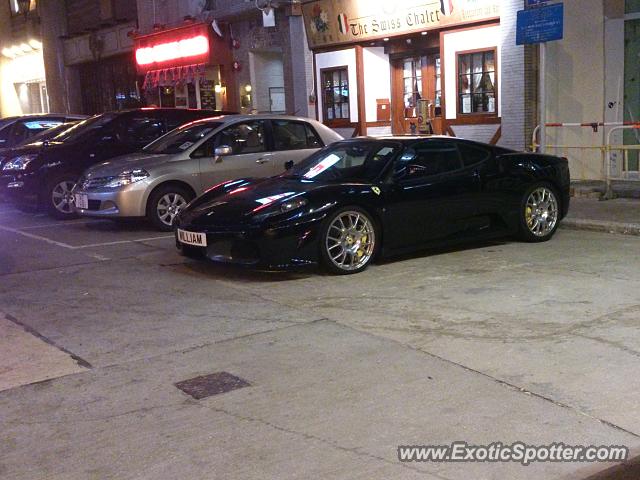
25 358
621 215
493 342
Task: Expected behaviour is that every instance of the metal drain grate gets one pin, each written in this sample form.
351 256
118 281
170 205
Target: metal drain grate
209 385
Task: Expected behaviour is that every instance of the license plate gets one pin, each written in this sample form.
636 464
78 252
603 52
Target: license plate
81 200
192 238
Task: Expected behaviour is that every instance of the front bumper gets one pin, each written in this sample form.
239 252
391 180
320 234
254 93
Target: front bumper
19 187
125 202
293 245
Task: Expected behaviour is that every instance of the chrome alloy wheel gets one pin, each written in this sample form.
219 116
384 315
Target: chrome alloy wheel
62 198
541 211
169 206
350 241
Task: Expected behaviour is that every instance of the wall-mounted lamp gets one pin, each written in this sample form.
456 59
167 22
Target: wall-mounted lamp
247 88
218 88
22 49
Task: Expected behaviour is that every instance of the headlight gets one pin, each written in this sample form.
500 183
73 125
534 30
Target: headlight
19 163
127 178
293 204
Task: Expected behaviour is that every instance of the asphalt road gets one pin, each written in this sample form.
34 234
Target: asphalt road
499 342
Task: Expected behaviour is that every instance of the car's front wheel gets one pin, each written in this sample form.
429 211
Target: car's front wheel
58 197
348 243
539 213
165 203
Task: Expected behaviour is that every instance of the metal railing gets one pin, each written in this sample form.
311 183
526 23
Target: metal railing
610 166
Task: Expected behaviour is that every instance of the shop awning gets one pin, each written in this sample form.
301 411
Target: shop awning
173 76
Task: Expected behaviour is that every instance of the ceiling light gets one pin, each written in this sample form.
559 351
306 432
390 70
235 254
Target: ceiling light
25 48
7 52
35 44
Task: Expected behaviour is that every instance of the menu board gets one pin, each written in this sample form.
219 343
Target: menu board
207 95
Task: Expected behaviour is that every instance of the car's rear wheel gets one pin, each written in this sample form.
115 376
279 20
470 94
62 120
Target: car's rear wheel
539 213
58 197
348 243
165 203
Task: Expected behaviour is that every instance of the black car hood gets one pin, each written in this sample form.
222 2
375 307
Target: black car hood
245 201
37 148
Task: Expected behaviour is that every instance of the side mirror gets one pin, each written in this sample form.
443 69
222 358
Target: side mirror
222 151
288 165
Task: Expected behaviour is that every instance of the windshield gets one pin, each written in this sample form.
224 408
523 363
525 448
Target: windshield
346 162
180 139
48 134
84 127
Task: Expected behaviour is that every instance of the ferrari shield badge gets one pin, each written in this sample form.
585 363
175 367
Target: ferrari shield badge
376 190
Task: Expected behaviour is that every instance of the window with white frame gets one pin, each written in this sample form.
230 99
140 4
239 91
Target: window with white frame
477 82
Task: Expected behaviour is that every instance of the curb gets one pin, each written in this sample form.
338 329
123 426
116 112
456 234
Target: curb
601 226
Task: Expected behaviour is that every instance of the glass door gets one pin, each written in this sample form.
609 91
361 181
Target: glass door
412 87
416 78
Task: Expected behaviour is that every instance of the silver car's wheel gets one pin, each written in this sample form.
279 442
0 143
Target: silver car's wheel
62 198
349 241
169 206
541 212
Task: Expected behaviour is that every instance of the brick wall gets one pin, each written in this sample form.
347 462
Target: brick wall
512 90
287 38
86 14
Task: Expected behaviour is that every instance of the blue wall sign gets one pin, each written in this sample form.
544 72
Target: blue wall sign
538 25
535 3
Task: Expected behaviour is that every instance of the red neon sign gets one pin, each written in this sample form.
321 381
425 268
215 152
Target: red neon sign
181 49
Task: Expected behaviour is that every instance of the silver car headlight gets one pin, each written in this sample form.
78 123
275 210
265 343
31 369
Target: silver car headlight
19 163
127 178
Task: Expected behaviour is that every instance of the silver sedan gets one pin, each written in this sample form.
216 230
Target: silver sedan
159 181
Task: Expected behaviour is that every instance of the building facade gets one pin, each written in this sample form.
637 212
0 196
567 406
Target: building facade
593 75
360 66
448 67
23 86
257 59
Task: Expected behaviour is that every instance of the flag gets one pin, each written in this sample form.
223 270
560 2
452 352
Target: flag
343 24
446 7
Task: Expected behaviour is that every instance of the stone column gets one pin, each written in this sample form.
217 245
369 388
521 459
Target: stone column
53 15
301 67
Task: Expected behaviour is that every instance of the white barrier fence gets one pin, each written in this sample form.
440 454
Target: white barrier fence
616 161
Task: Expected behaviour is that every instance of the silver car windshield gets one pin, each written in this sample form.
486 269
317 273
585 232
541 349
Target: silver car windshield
181 139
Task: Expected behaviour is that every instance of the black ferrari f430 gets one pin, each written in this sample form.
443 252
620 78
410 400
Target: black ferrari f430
359 199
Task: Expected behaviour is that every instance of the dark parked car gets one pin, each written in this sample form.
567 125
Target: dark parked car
364 197
37 140
46 174
16 130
